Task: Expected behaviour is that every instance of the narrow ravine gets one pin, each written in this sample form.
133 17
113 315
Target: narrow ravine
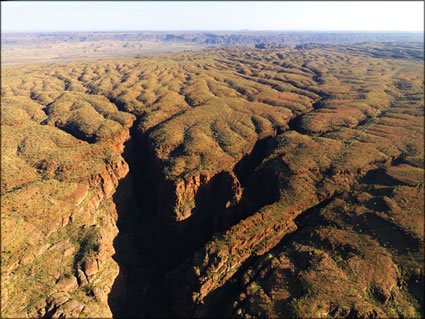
146 249
137 245
130 209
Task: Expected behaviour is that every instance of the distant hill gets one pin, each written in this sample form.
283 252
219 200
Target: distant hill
220 37
53 47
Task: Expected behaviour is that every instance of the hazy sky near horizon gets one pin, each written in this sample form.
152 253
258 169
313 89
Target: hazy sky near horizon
212 15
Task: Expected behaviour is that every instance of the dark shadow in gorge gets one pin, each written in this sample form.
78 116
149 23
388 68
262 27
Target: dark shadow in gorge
259 188
129 216
146 248
135 291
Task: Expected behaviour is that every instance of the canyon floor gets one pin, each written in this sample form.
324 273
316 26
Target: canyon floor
224 182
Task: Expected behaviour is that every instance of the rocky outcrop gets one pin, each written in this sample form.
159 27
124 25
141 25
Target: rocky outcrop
179 197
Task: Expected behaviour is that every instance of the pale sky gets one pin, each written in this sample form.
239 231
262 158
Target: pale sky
214 15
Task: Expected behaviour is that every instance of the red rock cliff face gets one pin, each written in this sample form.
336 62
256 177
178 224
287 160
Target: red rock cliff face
64 232
177 196
98 270
86 213
224 186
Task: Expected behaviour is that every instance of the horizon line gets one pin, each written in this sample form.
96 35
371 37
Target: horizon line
213 30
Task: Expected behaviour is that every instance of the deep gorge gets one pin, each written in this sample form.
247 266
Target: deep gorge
148 248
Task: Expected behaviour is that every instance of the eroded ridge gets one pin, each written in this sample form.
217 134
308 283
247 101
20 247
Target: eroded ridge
243 163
